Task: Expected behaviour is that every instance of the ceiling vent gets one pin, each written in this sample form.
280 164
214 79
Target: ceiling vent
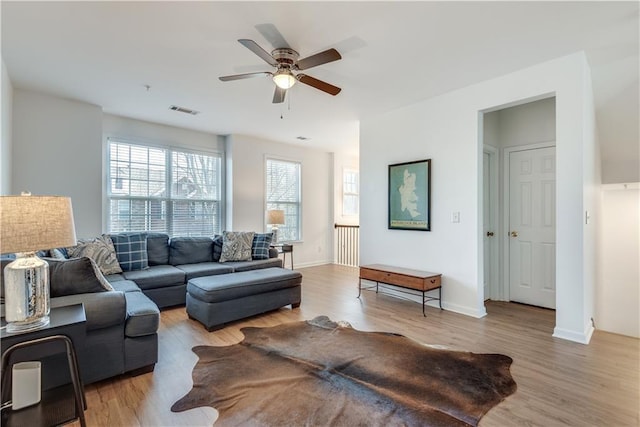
184 110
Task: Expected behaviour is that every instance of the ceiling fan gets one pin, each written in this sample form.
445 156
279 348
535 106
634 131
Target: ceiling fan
286 62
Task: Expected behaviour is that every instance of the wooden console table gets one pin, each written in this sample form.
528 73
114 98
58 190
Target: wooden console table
417 280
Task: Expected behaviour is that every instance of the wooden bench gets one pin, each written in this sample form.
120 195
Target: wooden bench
417 280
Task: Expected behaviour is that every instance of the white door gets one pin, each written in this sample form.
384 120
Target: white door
532 227
487 229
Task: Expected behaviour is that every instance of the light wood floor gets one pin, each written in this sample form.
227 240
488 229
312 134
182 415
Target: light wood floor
560 383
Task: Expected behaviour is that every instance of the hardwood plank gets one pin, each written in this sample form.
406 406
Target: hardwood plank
560 383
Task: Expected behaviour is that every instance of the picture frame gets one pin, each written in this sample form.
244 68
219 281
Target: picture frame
409 193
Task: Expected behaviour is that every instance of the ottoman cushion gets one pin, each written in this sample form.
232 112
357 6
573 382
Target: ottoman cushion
226 287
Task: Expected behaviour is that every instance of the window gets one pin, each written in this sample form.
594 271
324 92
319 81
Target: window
164 190
283 192
350 192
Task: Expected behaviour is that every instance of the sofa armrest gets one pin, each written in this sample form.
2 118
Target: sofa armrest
102 309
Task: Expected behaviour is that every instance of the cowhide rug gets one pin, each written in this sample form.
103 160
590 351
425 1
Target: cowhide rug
319 373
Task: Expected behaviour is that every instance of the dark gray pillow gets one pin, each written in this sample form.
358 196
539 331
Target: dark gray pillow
158 248
190 250
75 276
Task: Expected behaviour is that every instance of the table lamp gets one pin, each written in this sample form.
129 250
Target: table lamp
275 217
27 224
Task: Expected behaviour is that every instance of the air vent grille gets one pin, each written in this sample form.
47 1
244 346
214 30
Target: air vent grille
184 110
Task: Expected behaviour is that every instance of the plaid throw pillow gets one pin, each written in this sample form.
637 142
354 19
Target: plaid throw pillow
131 250
260 246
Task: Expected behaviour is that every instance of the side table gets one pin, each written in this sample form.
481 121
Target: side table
285 249
66 330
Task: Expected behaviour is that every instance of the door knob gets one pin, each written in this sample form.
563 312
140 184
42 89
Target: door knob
490 233
514 234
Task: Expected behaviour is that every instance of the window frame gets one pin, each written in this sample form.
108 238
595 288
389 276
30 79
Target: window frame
168 199
298 204
345 193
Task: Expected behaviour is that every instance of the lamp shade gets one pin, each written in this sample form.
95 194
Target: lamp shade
275 216
31 223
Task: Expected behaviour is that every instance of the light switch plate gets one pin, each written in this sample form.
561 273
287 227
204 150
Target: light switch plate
455 216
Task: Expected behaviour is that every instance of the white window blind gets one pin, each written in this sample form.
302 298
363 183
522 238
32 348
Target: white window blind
283 192
350 192
164 190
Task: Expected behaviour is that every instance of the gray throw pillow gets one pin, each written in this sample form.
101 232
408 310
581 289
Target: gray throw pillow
236 245
75 276
100 250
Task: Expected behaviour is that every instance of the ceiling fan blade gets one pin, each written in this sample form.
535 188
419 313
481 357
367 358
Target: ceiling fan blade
319 84
328 55
244 76
272 35
278 95
255 48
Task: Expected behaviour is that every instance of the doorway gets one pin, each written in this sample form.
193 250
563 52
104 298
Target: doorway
518 210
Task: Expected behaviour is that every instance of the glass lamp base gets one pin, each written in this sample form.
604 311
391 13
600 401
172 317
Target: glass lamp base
27 325
26 293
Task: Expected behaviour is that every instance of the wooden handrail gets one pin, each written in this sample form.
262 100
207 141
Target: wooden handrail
345 226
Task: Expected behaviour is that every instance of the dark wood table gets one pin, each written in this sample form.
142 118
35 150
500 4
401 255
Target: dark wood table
417 280
58 404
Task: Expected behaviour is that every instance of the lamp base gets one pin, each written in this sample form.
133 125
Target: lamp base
27 325
26 283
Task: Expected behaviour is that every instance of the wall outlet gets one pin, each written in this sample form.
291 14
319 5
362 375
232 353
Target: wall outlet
455 216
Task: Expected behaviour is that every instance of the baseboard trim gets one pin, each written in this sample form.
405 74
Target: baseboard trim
579 337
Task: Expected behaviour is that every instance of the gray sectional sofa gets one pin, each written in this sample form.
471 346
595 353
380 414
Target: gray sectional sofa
122 322
173 262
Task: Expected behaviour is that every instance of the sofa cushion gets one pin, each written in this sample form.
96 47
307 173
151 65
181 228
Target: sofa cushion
75 276
158 248
190 250
158 276
99 249
204 269
236 245
260 245
143 316
125 286
131 250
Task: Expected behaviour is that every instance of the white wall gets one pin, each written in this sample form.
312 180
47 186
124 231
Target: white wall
248 186
57 150
6 141
618 291
445 129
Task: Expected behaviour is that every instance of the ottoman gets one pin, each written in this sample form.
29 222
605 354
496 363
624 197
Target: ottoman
216 300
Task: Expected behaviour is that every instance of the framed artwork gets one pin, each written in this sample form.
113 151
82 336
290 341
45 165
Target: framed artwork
410 195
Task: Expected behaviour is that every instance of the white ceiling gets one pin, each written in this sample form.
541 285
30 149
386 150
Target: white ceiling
394 54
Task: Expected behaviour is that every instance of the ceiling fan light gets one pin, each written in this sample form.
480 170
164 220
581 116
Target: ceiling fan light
284 80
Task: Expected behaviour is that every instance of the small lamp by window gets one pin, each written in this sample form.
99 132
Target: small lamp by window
275 217
28 224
